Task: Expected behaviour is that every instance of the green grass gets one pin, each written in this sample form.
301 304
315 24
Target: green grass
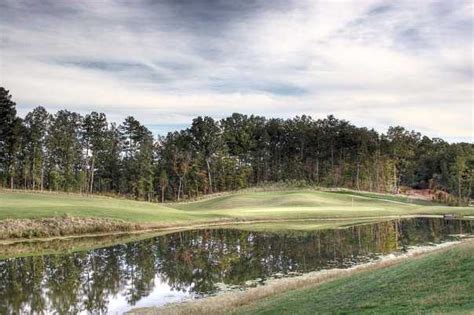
291 204
17 205
438 283
315 204
391 197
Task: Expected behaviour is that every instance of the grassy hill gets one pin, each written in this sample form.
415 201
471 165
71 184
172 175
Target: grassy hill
233 207
19 205
291 204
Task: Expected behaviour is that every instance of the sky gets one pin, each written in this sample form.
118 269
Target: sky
374 63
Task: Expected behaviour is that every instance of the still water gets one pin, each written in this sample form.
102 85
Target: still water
197 263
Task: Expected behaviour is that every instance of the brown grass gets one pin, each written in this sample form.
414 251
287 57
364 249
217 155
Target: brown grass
60 226
226 302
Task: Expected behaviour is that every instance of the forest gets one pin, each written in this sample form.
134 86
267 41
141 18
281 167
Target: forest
70 152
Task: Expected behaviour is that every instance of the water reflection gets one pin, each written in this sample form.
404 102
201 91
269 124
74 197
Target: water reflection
168 267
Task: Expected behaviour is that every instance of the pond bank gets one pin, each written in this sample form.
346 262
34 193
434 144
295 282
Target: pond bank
61 226
67 227
16 247
227 302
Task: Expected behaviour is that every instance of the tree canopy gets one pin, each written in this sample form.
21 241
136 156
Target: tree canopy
67 151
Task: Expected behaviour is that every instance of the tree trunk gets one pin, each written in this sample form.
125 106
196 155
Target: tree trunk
179 188
162 195
377 172
332 165
33 170
341 169
395 182
42 175
25 184
11 178
91 189
459 186
209 174
317 171
357 175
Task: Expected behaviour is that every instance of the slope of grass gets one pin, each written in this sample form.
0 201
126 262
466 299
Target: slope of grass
438 283
387 197
315 204
273 205
37 205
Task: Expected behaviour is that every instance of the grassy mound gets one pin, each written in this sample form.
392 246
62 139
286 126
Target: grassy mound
17 205
233 207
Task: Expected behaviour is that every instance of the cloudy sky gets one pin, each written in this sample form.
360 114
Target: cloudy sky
375 63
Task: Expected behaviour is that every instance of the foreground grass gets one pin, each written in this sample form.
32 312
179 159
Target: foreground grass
244 206
438 283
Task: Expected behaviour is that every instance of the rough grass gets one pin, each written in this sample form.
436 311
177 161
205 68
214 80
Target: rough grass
440 283
60 226
237 207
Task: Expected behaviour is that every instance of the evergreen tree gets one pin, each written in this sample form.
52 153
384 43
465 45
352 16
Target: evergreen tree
138 148
163 184
206 140
10 134
37 124
65 152
94 128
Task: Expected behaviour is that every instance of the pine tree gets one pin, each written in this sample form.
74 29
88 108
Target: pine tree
37 124
10 136
206 141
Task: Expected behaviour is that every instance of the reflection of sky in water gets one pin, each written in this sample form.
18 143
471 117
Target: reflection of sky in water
161 294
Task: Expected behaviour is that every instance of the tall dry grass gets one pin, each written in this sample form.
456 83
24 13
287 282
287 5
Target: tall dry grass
60 226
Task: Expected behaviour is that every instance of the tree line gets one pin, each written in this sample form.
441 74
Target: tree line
70 152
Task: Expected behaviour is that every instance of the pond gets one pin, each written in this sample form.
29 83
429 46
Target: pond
197 263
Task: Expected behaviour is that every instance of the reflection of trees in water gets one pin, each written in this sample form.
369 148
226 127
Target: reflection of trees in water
196 261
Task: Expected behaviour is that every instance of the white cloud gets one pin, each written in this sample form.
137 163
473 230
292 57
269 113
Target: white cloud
371 62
